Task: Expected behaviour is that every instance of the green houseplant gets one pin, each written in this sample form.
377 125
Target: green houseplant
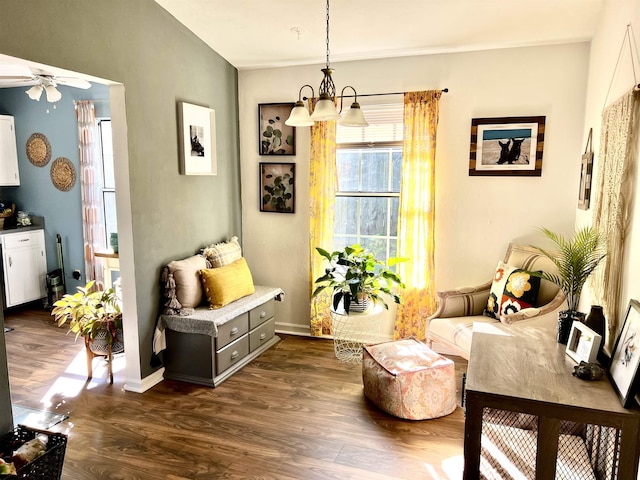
575 258
355 276
93 314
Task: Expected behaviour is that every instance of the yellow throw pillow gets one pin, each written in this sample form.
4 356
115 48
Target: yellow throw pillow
224 285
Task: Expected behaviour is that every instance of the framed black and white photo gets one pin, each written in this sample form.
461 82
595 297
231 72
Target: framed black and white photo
277 187
625 358
583 343
506 146
276 138
197 138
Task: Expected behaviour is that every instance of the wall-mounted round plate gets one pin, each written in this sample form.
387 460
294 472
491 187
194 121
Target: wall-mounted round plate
63 174
38 149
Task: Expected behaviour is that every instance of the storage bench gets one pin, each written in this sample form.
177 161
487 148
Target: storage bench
209 346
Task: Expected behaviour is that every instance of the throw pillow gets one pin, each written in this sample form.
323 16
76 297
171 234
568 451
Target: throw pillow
224 285
224 253
186 275
512 290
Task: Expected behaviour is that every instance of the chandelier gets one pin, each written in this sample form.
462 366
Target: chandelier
325 106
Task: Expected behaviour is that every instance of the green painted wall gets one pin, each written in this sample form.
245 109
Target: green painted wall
160 63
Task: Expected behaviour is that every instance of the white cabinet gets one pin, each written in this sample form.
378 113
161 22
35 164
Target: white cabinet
9 175
25 267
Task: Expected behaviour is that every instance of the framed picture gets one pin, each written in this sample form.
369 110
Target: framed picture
507 146
583 343
586 170
276 138
277 187
197 138
625 358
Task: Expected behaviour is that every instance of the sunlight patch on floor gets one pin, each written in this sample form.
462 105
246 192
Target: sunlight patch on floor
450 469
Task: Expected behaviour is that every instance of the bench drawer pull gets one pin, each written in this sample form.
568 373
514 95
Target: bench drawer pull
233 331
234 355
263 314
263 336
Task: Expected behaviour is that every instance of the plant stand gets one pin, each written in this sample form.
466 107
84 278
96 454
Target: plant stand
108 353
351 332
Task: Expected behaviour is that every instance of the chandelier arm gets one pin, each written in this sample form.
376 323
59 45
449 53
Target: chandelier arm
313 93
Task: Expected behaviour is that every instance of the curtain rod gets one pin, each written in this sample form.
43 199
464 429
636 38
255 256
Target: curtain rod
444 90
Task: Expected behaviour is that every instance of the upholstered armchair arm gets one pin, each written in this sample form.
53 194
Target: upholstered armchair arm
557 304
462 302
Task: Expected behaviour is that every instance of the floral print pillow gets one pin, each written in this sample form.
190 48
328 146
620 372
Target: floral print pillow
512 290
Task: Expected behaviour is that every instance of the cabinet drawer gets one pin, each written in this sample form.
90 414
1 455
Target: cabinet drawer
262 334
23 239
261 314
232 330
232 353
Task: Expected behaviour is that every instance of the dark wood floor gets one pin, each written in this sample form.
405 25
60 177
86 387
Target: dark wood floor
294 413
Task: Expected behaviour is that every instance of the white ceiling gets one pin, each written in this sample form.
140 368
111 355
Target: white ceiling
256 34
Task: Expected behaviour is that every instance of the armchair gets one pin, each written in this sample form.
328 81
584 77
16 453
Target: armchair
451 324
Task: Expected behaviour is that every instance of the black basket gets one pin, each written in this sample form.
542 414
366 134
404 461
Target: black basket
47 466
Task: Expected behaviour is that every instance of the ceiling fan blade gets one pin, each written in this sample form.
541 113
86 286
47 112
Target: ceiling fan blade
72 82
10 83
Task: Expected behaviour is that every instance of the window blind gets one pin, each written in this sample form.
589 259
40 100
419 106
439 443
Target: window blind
385 125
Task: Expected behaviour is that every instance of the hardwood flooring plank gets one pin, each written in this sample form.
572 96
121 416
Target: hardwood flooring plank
295 412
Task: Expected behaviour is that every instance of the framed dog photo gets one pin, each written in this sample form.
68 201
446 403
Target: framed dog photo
625 358
583 343
197 137
506 146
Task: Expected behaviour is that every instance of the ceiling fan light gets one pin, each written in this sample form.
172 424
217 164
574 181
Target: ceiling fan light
35 92
325 110
354 117
53 94
299 116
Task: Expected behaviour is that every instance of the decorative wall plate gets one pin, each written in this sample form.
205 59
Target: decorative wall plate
38 149
63 174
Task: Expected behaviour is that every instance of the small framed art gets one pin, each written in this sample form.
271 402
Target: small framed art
197 138
276 138
583 343
586 171
625 358
506 146
277 187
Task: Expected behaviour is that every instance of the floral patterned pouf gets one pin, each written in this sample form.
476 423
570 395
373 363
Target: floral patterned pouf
408 380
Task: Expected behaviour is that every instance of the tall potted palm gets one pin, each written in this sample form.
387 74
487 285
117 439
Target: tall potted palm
575 258
356 278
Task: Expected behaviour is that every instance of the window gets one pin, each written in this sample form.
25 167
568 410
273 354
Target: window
369 168
108 179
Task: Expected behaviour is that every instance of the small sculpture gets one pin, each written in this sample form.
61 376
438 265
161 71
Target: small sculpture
588 371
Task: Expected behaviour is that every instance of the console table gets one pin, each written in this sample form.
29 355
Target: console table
527 416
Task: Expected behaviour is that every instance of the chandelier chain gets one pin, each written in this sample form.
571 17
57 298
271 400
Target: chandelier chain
327 33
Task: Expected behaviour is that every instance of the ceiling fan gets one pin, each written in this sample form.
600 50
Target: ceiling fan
39 80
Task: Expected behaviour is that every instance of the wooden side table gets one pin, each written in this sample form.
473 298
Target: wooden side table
111 264
524 407
352 331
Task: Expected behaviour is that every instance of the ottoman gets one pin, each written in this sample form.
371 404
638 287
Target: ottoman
408 380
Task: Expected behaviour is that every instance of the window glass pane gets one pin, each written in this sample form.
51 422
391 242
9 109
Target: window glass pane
395 205
397 169
348 165
110 219
375 170
378 246
346 215
107 154
341 241
373 216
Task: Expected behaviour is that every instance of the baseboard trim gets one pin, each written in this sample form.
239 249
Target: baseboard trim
146 383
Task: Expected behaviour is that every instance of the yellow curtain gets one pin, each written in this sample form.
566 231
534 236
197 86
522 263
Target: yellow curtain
322 186
416 221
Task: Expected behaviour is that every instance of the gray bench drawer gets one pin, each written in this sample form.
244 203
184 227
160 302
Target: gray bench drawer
232 330
232 353
262 334
261 314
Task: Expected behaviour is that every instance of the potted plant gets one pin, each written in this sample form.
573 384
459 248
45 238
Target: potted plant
95 315
575 258
356 277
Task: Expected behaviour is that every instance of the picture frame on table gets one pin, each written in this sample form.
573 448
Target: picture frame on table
506 146
625 357
275 138
197 139
583 343
277 187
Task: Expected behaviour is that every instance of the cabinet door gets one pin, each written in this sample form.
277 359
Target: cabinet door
8 153
25 269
